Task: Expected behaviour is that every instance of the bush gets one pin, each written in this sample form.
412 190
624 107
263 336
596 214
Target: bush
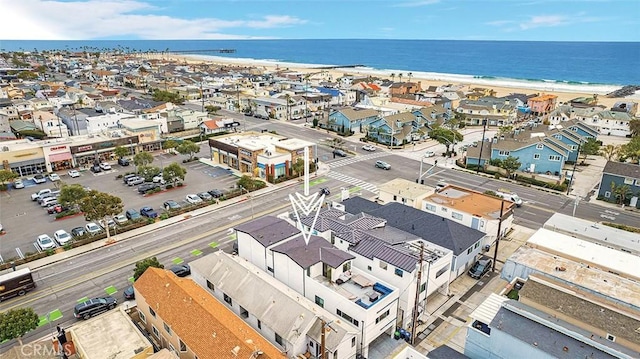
164 216
622 227
50 252
179 184
169 186
119 176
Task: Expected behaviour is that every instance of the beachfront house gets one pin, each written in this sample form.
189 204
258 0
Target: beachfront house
610 123
495 111
542 104
620 183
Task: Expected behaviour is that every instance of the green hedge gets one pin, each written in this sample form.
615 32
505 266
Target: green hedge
623 227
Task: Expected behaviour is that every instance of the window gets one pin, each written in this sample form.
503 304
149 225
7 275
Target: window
259 324
347 317
469 250
166 328
536 156
279 339
554 158
611 337
423 287
558 136
574 147
320 301
382 316
628 180
228 299
244 313
442 271
346 267
210 286
153 314
353 342
395 198
607 194
155 331
270 269
182 345
399 272
539 146
430 207
476 245
171 348
443 209
369 268
383 265
455 215
142 317
503 153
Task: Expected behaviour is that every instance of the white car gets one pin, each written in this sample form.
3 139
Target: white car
17 184
369 148
120 219
193 198
62 237
73 173
105 166
45 242
429 154
111 222
93 228
159 179
54 177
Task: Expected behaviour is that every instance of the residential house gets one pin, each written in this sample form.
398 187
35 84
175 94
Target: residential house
405 88
542 104
620 180
428 116
571 133
477 93
296 330
629 107
219 125
50 124
611 123
346 120
396 130
490 110
403 191
463 241
184 318
322 273
189 119
545 155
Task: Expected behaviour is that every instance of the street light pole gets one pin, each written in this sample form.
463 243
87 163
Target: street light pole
484 129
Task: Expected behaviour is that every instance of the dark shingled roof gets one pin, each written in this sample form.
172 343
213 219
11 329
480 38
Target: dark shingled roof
445 352
318 250
268 230
441 231
622 169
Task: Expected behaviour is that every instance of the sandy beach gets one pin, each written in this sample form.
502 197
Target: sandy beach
564 92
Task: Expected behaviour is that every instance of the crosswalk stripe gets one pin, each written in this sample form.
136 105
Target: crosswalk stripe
353 181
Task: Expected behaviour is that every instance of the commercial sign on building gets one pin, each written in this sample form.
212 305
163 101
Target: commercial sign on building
85 148
57 148
245 153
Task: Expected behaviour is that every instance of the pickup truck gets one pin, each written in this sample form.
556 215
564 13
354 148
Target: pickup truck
35 196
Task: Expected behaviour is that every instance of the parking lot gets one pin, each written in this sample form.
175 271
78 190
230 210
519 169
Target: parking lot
24 220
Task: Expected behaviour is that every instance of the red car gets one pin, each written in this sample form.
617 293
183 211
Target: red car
56 208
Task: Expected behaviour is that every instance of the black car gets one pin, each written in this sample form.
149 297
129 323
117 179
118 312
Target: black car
129 293
340 153
480 268
95 306
145 187
96 168
216 193
123 161
325 191
181 270
78 232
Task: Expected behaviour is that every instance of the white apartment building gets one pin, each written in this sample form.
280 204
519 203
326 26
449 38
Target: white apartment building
50 124
104 122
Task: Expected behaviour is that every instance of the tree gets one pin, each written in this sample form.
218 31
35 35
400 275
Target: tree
142 159
589 148
15 323
621 192
100 206
631 150
510 165
148 172
504 130
142 266
6 176
170 144
298 167
174 173
167 96
446 136
609 152
188 148
212 109
121 152
249 183
72 194
634 128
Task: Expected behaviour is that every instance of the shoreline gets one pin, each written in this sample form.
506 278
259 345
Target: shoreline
565 91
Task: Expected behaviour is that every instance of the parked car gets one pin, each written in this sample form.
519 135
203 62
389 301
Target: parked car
369 148
145 187
39 179
45 242
181 270
93 228
48 201
123 161
132 214
54 177
104 166
340 153
480 268
95 306
193 199
78 231
134 181
56 208
216 193
96 168
73 173
171 204
62 237
148 212
125 178
429 154
129 293
17 184
112 224
383 165
158 179
205 196
120 219
325 191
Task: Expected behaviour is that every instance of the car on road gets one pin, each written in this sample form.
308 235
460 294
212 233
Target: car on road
181 270
134 181
205 196
171 205
340 153
123 161
383 165
62 237
145 187
193 199
92 228
54 177
120 219
369 148
429 154
148 212
132 214
325 191
73 173
17 184
216 193
441 185
45 242
39 179
96 168
129 293
95 306
480 268
104 166
78 231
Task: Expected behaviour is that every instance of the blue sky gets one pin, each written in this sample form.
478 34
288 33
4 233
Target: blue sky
528 20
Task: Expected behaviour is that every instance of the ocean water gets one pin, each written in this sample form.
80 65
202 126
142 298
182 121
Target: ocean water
586 66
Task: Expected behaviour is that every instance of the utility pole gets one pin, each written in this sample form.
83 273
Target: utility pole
202 95
484 129
495 252
575 164
414 320
323 334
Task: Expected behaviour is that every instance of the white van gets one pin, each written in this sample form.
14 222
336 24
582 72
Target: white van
49 201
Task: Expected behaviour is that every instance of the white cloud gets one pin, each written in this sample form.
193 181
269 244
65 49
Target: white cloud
417 3
540 21
52 19
544 21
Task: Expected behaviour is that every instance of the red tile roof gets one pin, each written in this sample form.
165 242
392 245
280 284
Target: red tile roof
211 124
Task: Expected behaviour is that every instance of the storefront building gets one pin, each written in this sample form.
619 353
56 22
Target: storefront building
57 155
23 157
100 149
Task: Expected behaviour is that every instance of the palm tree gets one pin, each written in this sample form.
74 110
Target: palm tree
621 192
400 77
288 98
609 152
393 77
410 74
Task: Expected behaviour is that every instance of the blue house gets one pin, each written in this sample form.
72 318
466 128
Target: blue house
352 119
536 155
396 130
617 175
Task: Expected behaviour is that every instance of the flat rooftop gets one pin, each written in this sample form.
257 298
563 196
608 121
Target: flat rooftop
405 188
360 288
111 335
609 285
469 201
253 141
593 253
